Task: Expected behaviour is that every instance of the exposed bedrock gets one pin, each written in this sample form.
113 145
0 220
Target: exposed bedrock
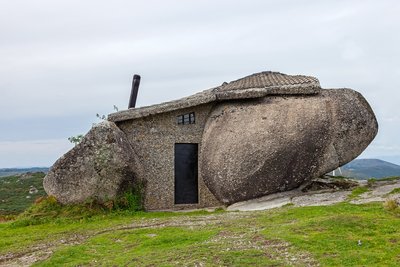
100 167
255 148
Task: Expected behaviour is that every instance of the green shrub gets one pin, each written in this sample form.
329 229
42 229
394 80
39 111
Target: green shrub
130 200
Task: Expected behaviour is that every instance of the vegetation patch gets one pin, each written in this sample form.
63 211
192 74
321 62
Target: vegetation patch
394 191
373 181
355 193
339 235
18 192
392 206
390 178
48 209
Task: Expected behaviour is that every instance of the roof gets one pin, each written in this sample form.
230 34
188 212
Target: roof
269 83
253 86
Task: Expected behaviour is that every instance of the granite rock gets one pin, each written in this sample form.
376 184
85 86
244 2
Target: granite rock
258 147
100 167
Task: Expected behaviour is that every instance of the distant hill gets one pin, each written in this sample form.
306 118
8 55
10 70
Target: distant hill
370 168
15 171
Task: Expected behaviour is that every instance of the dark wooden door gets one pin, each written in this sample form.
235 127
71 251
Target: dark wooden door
186 165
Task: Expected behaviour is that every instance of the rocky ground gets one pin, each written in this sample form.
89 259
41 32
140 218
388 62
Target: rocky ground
321 192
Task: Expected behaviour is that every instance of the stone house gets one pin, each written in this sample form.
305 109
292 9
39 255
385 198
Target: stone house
262 134
168 136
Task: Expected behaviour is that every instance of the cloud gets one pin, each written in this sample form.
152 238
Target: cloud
64 61
32 153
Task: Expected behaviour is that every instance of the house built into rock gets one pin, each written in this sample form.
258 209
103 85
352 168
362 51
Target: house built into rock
169 137
168 141
261 134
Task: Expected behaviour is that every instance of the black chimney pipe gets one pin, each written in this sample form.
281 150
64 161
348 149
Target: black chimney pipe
134 91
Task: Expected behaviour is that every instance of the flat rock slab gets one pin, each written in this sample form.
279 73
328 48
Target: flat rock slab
322 199
379 193
294 197
270 202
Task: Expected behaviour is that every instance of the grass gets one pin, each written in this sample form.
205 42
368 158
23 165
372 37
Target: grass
47 221
331 233
169 246
390 178
140 245
394 191
372 181
286 236
118 233
14 192
356 192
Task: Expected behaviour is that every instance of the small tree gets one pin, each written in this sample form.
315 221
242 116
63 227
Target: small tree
76 139
100 117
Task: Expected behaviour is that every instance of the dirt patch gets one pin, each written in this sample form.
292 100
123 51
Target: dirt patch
38 252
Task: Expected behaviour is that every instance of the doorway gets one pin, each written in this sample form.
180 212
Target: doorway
186 174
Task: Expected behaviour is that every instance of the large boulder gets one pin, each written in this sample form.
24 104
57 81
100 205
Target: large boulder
100 167
272 144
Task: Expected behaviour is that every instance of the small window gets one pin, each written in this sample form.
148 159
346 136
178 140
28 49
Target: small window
180 119
186 119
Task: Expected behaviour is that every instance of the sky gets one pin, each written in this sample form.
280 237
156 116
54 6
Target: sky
63 62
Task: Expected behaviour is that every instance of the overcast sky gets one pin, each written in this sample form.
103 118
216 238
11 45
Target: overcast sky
61 62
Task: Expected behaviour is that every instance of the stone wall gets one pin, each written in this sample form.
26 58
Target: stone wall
153 138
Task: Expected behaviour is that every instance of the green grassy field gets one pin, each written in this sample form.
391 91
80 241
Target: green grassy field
338 235
14 192
49 234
